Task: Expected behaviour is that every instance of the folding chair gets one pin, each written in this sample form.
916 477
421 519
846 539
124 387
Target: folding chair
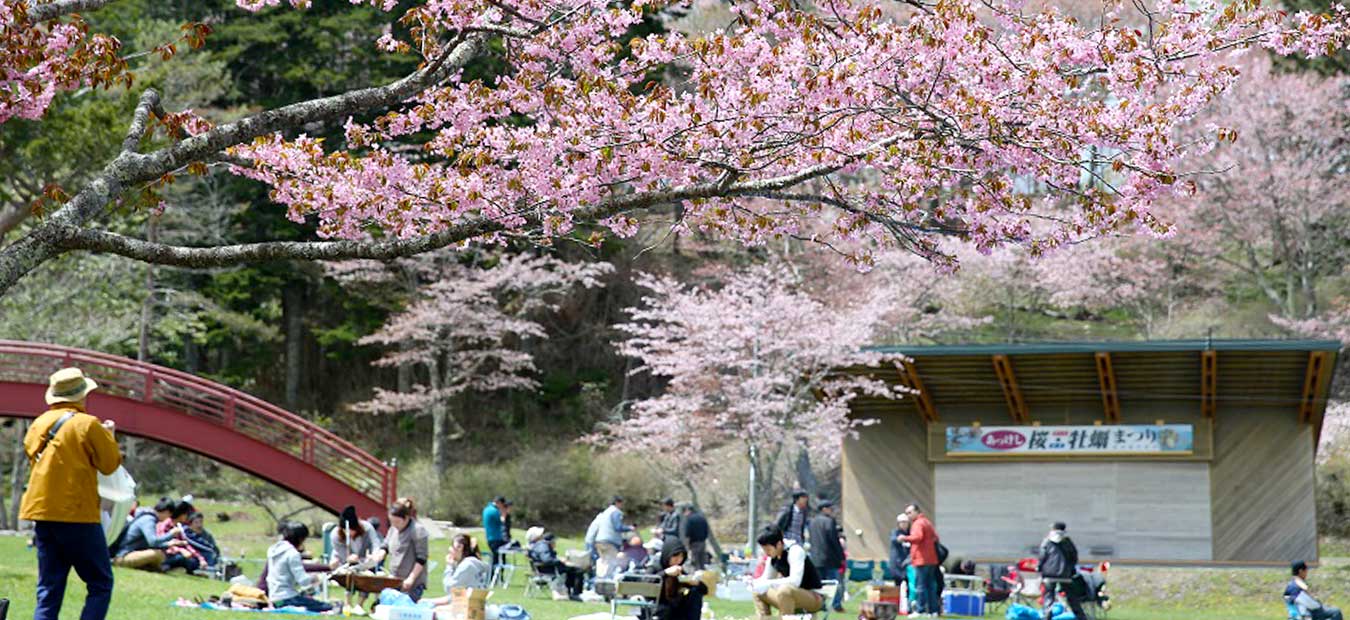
640 591
860 572
542 582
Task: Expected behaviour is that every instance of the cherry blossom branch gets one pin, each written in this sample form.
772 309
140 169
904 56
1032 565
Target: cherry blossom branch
77 238
128 168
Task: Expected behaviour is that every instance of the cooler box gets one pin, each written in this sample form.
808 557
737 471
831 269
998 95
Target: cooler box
963 603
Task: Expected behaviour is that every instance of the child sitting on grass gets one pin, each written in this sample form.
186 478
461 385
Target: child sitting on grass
286 577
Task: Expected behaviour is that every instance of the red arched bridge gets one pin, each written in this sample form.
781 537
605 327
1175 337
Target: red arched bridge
183 410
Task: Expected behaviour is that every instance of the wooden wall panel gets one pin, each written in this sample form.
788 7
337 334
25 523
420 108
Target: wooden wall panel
884 469
1115 510
1262 479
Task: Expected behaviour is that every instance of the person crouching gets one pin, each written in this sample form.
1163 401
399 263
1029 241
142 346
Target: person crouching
790 583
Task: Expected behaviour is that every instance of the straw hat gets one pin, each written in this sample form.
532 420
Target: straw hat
69 385
534 534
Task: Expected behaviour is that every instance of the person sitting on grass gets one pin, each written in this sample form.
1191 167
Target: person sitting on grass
202 541
287 580
543 554
1298 594
179 554
463 567
140 545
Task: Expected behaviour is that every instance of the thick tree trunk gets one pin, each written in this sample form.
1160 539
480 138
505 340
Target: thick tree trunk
440 413
293 301
16 475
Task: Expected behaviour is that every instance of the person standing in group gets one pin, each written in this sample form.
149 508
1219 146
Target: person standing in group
494 528
790 582
670 520
792 521
1059 560
923 555
67 448
827 551
694 532
605 535
901 570
406 547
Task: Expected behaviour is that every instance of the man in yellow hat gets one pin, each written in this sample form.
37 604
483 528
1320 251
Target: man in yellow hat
67 448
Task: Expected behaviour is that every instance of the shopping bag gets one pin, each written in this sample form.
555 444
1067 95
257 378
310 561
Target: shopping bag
117 492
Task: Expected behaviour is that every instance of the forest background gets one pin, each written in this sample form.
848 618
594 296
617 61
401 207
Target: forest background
516 403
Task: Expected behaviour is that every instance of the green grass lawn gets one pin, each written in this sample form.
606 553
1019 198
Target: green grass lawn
1140 593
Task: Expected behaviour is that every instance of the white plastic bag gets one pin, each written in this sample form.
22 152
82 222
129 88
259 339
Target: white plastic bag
117 492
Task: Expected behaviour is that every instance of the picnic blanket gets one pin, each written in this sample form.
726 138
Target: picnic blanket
209 606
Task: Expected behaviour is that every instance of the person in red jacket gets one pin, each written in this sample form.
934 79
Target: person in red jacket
923 555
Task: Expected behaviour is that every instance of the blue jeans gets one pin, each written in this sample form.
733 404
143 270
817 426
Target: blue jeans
927 596
61 547
837 575
309 604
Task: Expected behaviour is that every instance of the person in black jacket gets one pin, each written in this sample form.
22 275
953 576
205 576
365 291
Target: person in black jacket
543 555
899 555
827 552
694 534
1059 560
681 592
792 521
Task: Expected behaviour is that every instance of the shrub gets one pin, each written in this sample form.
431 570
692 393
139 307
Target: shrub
561 488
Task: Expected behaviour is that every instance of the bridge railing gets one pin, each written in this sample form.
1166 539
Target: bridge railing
30 362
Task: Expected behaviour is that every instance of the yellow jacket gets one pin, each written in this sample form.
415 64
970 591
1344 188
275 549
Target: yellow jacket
63 484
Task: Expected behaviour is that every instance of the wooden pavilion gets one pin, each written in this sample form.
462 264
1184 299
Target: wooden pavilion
1172 452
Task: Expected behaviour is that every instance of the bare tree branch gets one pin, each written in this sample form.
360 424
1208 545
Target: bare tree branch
140 120
53 10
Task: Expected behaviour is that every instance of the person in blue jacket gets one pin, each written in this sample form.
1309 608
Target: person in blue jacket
494 527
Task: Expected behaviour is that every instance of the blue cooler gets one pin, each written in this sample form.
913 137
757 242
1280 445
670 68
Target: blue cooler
963 603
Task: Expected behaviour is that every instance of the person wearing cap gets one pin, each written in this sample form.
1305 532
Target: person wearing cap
827 550
901 570
1059 560
494 528
67 448
543 555
792 521
353 541
1298 594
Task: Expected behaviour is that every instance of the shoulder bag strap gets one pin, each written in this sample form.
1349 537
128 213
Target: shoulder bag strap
51 434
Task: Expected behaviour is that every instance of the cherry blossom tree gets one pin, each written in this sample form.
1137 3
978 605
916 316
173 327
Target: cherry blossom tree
894 126
463 330
1277 217
754 363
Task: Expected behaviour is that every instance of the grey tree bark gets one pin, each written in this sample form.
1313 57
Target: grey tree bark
293 310
17 469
